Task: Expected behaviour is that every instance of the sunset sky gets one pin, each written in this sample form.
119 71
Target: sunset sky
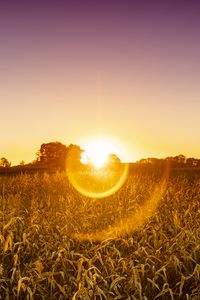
71 70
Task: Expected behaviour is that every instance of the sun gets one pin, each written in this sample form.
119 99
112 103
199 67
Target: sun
97 152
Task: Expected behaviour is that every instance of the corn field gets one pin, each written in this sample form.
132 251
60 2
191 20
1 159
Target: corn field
57 244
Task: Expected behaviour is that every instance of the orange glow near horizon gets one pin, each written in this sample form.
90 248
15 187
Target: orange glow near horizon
71 76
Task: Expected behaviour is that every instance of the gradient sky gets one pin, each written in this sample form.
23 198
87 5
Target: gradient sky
76 69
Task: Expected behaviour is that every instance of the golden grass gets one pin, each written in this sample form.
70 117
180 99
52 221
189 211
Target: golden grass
41 256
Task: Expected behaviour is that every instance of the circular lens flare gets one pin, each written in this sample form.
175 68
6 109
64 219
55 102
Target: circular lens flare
93 174
103 181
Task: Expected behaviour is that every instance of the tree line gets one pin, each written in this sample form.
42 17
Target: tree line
178 161
53 156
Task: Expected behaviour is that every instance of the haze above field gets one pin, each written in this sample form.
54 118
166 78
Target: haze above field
71 70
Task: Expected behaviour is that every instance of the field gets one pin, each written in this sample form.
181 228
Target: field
141 243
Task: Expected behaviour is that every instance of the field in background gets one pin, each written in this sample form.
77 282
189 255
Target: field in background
41 256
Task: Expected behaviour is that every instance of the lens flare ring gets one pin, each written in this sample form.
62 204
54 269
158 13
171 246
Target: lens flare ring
95 182
78 177
126 226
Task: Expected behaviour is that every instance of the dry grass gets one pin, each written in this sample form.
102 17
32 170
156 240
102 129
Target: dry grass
41 256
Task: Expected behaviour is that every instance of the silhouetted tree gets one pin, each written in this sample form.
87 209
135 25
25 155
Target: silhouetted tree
74 153
113 159
52 155
113 162
181 159
192 162
4 162
177 161
143 161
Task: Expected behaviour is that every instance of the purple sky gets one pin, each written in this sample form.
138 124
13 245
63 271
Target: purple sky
75 69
